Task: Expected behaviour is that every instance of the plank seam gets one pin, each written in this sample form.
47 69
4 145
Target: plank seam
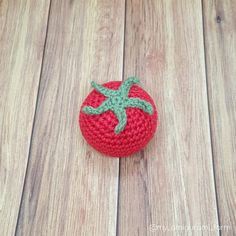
209 118
34 118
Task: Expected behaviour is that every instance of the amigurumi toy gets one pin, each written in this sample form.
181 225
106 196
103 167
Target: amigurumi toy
118 119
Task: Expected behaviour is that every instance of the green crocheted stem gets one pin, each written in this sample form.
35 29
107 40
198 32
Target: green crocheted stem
117 101
122 118
139 103
127 84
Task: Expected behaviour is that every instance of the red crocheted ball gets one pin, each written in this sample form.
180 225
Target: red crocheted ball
137 126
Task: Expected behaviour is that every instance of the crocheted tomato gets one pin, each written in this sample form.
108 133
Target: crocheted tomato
118 119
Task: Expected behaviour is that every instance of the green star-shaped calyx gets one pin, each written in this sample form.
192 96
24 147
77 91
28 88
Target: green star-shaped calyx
117 101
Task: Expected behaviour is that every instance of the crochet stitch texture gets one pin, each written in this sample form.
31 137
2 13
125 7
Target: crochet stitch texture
111 133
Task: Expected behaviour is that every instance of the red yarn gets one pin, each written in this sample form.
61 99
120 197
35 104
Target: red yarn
98 130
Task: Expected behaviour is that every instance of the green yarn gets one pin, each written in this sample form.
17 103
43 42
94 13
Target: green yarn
117 101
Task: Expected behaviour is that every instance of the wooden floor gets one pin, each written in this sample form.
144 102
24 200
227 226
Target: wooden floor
52 182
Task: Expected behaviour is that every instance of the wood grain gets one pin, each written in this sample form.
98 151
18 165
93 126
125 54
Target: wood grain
169 184
22 36
70 189
220 43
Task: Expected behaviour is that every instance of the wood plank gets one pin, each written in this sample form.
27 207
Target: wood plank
171 183
220 43
70 189
22 37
